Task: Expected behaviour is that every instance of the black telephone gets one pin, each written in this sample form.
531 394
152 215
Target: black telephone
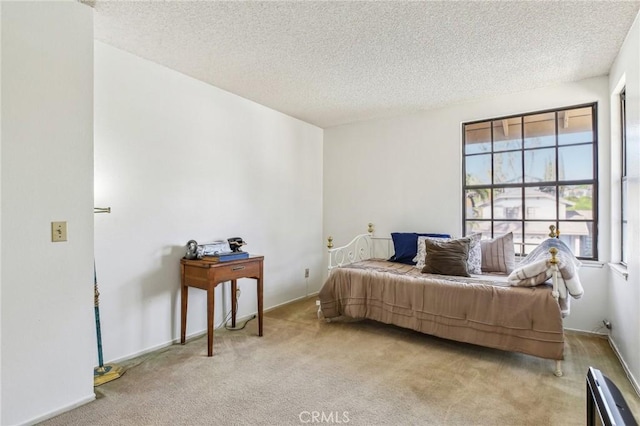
236 243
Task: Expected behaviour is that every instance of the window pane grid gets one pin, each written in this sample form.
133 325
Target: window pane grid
536 180
535 184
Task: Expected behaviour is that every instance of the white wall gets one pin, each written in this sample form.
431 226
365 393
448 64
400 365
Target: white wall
0 213
624 307
405 174
48 337
177 159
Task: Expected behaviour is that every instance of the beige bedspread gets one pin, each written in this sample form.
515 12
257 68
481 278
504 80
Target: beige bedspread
481 310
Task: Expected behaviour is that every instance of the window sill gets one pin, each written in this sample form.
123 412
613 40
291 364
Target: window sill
592 264
620 270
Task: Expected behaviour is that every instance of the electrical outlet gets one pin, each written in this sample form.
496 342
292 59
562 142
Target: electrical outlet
306 273
317 303
237 293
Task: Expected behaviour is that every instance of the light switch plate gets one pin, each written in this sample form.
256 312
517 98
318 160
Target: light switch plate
58 231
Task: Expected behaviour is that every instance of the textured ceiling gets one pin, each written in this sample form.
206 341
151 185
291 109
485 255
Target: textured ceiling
331 63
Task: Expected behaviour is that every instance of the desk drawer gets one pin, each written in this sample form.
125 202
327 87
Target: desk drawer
235 271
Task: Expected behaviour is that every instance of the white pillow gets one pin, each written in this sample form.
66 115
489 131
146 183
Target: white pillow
475 254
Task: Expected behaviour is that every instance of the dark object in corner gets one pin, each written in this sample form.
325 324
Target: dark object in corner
605 404
236 243
192 250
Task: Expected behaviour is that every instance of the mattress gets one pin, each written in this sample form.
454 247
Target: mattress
482 309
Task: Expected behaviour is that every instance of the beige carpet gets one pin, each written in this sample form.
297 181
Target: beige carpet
356 373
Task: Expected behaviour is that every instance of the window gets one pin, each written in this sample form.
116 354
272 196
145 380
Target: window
624 240
523 173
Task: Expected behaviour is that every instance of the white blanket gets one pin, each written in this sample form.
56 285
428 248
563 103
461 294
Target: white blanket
536 269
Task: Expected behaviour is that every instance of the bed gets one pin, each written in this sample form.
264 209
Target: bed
486 310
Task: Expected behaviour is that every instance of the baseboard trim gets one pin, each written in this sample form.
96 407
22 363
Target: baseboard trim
58 411
288 302
202 332
190 336
625 367
150 349
586 333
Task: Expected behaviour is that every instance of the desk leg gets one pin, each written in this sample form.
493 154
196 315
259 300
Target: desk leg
260 305
211 299
184 291
234 302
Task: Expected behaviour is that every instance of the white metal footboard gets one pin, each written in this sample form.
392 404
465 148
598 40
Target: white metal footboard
556 294
555 233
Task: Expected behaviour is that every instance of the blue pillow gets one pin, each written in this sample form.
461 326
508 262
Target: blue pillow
405 245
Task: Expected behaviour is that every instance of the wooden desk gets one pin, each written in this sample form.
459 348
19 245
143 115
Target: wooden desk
206 274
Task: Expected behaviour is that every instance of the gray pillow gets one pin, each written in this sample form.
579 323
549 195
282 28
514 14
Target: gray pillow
474 263
447 257
422 250
498 254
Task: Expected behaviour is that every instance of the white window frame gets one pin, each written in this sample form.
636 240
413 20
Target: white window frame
623 178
